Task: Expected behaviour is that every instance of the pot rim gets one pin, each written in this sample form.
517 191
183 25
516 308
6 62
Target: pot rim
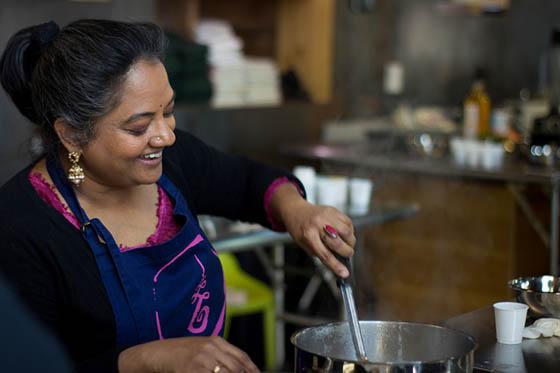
390 363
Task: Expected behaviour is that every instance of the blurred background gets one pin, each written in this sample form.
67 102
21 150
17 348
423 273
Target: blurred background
333 61
447 105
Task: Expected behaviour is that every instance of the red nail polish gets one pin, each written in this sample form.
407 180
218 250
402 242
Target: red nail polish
330 231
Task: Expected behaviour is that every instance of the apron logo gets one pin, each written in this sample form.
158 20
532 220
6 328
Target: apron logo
199 320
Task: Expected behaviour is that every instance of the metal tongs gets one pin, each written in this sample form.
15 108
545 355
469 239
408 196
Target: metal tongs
350 306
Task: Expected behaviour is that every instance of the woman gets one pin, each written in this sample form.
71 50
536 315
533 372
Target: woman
100 234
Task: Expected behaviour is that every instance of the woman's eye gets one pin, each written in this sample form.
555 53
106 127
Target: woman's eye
137 132
168 114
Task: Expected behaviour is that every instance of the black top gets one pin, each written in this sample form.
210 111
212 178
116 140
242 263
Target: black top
25 345
52 267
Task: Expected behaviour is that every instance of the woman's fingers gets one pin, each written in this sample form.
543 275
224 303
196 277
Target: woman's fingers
225 362
234 359
317 245
307 226
335 242
345 230
340 222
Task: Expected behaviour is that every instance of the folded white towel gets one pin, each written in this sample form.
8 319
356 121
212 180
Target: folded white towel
546 327
530 332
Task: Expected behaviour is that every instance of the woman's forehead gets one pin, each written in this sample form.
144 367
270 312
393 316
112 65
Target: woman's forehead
145 89
146 80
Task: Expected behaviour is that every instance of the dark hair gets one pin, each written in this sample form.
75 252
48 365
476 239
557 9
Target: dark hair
75 73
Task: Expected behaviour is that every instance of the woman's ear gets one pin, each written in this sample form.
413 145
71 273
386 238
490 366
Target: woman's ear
67 135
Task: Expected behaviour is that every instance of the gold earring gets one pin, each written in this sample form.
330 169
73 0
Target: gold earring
75 173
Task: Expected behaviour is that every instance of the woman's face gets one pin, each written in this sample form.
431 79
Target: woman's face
129 142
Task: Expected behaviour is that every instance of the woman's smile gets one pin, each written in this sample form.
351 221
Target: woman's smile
151 159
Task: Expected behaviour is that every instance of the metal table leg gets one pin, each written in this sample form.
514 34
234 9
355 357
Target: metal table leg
550 238
323 274
531 215
278 282
554 228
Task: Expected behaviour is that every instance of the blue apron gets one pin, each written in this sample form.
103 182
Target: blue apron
173 289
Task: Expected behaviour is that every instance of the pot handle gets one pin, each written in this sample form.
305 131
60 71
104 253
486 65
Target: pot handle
326 368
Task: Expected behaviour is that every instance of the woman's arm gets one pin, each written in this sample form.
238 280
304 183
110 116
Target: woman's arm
220 184
235 187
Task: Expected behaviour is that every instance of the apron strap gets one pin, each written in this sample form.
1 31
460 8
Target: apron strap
93 230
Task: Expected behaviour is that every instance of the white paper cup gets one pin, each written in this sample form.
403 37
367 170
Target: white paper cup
498 153
473 153
333 191
360 195
510 321
308 178
493 155
459 151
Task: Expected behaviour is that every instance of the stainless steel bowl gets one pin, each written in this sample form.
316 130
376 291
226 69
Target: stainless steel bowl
541 294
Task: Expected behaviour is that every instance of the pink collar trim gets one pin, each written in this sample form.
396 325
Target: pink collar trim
166 227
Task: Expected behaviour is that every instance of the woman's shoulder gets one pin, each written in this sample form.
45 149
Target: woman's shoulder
15 189
185 142
188 150
29 229
20 206
183 157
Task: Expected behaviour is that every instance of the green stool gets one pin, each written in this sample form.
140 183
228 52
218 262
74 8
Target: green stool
246 295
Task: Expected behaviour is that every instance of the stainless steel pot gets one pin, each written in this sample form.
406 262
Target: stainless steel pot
391 346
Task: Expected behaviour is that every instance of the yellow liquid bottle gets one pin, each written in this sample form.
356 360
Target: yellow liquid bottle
476 114
484 108
471 114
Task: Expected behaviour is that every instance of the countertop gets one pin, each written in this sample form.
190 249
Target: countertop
362 155
531 356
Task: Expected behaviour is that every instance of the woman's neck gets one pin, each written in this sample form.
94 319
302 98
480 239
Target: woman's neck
95 193
103 196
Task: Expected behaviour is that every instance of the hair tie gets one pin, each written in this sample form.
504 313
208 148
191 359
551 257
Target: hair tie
44 34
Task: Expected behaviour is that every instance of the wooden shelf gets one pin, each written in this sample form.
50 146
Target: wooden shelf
448 7
298 34
188 108
305 43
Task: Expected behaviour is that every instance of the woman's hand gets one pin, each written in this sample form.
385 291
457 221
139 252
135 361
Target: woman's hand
186 355
306 224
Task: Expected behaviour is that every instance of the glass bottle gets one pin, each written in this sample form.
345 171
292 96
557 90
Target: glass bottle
477 109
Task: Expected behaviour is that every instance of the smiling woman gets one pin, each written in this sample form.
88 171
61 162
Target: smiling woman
100 234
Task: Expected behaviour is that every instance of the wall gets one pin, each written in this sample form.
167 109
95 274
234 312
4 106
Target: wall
439 51
454 256
16 14
257 133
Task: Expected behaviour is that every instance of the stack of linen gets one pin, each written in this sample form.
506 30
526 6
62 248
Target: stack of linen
226 60
236 80
263 87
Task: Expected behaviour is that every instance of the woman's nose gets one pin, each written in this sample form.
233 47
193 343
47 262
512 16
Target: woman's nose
164 136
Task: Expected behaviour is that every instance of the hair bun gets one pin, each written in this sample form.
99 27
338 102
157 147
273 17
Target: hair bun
44 34
18 62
